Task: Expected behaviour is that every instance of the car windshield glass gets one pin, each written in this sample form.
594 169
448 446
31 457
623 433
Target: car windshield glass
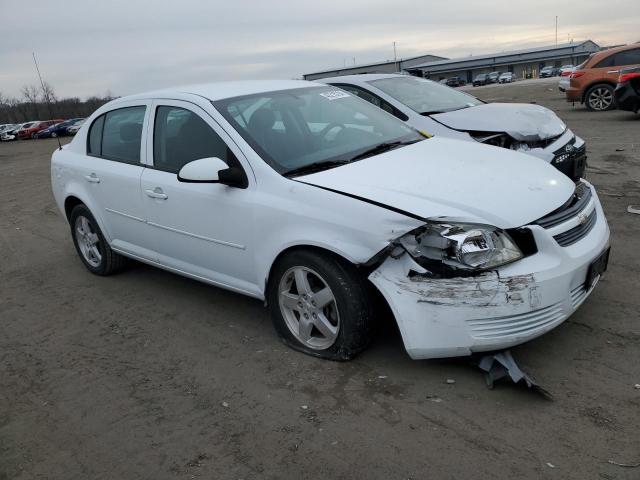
314 126
28 125
425 96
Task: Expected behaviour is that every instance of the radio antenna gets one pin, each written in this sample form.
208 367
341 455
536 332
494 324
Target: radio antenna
46 95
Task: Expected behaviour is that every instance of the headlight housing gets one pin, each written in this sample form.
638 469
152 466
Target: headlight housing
461 245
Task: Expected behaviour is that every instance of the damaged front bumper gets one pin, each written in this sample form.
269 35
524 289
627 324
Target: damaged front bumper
447 317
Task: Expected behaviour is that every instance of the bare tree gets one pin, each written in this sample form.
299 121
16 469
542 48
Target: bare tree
31 94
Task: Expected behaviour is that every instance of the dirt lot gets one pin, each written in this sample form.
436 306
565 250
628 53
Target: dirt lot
150 375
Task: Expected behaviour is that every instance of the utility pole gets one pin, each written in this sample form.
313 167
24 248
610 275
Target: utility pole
395 56
556 30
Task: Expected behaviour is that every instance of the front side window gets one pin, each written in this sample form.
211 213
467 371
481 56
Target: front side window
181 136
297 128
424 96
117 135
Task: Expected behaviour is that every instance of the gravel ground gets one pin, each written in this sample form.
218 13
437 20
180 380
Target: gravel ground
150 375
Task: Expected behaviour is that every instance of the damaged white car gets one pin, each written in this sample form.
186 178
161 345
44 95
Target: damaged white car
319 203
443 111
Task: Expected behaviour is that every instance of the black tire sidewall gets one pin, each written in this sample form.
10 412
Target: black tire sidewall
82 210
351 299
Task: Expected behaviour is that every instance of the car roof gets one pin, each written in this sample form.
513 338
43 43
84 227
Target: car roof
221 90
596 57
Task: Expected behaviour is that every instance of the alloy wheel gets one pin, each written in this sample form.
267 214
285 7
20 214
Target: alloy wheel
88 241
600 98
309 308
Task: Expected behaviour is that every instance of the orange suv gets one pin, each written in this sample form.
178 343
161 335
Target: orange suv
593 82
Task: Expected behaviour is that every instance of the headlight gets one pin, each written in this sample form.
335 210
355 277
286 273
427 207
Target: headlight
466 246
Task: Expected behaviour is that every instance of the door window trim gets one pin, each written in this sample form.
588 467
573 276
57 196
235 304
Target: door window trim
143 135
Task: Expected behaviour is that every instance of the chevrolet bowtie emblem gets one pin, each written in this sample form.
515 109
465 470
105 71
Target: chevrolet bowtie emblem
568 148
582 218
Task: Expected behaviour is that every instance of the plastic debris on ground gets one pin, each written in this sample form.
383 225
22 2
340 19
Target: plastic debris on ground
502 365
634 209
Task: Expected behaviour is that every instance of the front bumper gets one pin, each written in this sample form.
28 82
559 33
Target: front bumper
497 309
567 154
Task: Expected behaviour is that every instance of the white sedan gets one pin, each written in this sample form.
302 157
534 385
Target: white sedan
442 111
309 198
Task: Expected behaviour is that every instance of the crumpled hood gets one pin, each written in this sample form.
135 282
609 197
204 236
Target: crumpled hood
460 180
523 121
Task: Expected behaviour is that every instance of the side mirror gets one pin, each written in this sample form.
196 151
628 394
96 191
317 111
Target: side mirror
203 170
212 170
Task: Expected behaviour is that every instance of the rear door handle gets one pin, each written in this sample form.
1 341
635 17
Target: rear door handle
93 178
613 71
156 193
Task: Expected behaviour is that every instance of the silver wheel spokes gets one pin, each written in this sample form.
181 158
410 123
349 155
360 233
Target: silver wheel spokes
600 99
309 308
88 241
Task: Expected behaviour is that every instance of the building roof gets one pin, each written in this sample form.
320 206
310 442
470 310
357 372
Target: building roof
514 56
373 64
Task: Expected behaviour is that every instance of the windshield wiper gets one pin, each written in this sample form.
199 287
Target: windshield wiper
314 167
383 147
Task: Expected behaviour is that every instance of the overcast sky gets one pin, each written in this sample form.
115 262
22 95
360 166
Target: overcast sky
87 47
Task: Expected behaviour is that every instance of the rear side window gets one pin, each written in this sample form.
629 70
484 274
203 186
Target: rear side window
605 62
181 136
117 135
628 57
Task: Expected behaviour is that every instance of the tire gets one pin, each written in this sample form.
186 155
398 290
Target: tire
92 248
336 324
599 98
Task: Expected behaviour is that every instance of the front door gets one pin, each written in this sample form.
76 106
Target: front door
201 229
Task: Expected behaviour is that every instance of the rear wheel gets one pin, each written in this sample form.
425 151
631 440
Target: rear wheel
320 305
599 98
93 249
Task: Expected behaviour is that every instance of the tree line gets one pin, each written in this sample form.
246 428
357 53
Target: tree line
41 103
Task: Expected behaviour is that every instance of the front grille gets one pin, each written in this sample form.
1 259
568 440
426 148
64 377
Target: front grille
578 201
571 236
523 324
570 160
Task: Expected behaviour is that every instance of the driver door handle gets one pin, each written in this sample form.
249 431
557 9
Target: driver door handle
156 193
93 178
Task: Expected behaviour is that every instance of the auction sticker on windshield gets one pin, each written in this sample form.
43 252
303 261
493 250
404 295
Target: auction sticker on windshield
335 94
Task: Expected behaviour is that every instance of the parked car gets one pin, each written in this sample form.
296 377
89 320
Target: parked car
565 70
493 77
443 81
338 200
442 111
456 82
57 130
12 133
73 129
565 76
481 79
594 81
627 92
506 77
548 71
32 130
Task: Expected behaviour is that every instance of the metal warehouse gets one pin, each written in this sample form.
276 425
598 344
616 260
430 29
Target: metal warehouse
388 66
523 63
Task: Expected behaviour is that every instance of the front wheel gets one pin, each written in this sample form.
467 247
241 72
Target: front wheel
93 249
320 305
599 98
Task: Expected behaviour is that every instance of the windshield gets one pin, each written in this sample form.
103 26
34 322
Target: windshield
425 96
293 129
28 125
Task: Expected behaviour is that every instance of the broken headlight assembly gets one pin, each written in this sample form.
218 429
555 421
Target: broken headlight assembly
442 247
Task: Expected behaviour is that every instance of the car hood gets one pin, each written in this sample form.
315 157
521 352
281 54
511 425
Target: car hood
458 180
522 121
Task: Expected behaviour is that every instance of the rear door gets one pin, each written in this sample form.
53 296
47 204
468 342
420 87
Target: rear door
112 169
202 229
609 67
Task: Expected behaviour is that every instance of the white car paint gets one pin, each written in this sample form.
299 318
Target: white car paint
230 237
522 121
